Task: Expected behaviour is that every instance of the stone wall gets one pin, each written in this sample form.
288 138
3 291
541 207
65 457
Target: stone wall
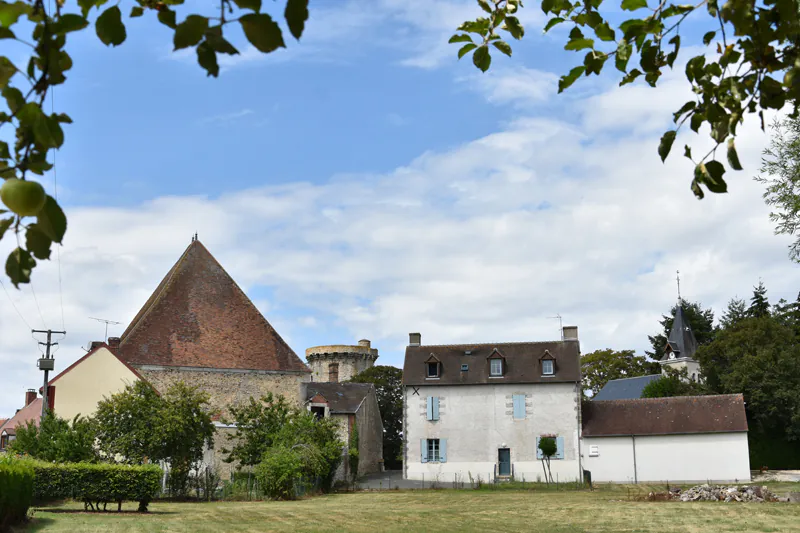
370 436
351 360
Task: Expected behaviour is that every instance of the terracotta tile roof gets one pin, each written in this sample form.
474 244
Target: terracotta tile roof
341 397
32 411
665 416
199 317
522 363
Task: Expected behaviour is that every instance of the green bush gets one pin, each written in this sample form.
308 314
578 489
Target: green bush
278 470
16 490
96 484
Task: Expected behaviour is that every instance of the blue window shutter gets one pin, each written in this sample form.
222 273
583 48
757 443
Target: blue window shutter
559 447
519 406
538 451
443 450
435 408
423 446
430 407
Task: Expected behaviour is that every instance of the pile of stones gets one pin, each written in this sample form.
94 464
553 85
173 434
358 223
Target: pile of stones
706 493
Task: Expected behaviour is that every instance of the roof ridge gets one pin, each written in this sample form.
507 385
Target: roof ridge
632 377
736 394
484 344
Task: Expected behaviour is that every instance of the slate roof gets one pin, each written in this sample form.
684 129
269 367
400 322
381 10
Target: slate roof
665 416
681 337
32 411
199 317
624 388
522 363
341 397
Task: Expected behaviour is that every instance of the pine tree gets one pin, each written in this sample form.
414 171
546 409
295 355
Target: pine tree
734 313
788 314
759 304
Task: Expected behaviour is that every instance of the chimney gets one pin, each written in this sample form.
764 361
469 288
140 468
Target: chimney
570 333
30 396
414 339
113 344
364 342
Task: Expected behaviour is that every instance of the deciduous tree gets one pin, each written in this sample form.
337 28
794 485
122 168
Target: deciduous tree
57 440
388 382
601 366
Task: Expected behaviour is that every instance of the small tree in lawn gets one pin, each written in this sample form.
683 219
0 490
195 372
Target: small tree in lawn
547 445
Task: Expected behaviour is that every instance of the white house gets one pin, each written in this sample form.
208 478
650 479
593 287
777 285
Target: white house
480 409
680 439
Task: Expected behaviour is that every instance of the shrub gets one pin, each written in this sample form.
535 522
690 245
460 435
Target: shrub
55 439
97 483
16 490
278 470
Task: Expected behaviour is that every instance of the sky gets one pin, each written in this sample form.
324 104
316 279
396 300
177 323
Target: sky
364 183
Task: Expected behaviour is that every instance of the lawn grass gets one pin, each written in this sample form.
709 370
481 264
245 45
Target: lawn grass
607 510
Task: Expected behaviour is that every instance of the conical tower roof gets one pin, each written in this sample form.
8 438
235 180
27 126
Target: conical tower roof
681 337
199 317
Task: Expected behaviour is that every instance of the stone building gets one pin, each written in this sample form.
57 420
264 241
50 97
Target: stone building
199 327
338 362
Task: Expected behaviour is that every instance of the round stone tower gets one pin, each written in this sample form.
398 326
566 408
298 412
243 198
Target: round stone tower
339 362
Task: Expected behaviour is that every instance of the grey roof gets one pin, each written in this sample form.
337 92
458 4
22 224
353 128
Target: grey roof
625 388
681 338
341 397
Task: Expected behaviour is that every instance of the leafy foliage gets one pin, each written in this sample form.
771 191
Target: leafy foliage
701 321
127 424
673 383
57 440
601 366
16 490
734 313
96 483
257 424
751 46
25 87
780 168
352 453
389 391
759 304
548 447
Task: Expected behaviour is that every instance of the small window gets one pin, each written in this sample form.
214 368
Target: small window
433 370
433 450
496 368
547 367
464 368
333 372
319 412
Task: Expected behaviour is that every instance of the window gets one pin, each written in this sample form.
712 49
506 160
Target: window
464 368
547 367
496 368
433 450
519 406
559 447
433 408
433 370
319 412
333 372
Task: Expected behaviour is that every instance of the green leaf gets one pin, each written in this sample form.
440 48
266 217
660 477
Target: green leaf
253 5
7 71
665 145
5 224
594 61
87 5
51 220
110 28
137 11
481 58
218 43
624 49
466 48
687 152
485 6
674 54
698 192
733 157
37 242
69 22
565 81
630 77
579 44
19 266
708 37
167 18
190 31
10 12
513 27
633 5
262 32
48 131
207 58
552 22
296 15
710 174
460 38
605 32
5 33
503 47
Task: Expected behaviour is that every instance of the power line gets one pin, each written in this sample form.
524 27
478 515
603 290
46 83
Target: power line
37 304
13 304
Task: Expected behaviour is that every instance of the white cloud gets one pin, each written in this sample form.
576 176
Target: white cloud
226 117
520 86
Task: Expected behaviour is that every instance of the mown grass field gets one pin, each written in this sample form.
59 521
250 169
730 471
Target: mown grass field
605 510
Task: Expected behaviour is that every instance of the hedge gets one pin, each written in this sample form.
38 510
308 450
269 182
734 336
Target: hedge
96 484
16 490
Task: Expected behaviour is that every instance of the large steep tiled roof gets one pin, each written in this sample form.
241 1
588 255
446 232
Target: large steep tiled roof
665 416
199 317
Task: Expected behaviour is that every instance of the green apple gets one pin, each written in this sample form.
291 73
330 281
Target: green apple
23 197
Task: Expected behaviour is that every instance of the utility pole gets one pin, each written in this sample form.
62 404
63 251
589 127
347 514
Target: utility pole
47 363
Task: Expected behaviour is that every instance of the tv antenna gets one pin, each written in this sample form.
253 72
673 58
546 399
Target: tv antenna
107 322
560 324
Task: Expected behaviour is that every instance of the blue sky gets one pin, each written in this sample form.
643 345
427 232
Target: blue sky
365 183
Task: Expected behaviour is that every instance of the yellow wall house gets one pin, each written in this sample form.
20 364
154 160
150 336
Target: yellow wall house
96 375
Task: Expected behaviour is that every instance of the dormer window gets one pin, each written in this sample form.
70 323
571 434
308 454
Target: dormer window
547 367
496 367
433 369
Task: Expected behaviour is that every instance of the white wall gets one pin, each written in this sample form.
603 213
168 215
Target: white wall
477 420
678 458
